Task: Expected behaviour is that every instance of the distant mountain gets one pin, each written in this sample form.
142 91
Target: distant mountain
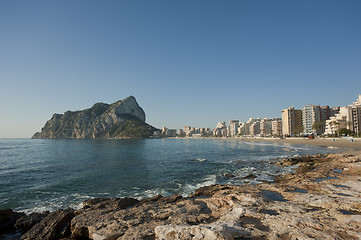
122 119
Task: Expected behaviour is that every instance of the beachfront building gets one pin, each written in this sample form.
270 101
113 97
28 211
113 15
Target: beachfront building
325 113
187 130
245 128
266 127
233 128
252 123
205 132
310 115
291 121
339 121
348 117
241 129
164 131
334 111
220 130
181 133
254 128
277 127
171 133
355 116
168 132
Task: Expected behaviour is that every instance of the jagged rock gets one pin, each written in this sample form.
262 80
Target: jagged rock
249 176
26 222
180 232
123 118
56 225
228 175
210 190
8 219
110 203
171 198
227 228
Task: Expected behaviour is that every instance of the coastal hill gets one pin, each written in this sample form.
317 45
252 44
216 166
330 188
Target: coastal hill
122 119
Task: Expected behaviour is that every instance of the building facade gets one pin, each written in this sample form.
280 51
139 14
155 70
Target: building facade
277 127
254 128
220 130
291 121
310 115
355 116
233 128
337 122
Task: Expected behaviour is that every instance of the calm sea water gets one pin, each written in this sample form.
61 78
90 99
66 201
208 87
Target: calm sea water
38 175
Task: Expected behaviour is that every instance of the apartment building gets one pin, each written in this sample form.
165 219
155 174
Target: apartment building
265 127
233 128
310 115
355 116
254 128
291 121
277 127
220 130
339 121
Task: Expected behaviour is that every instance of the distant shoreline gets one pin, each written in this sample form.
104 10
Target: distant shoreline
343 144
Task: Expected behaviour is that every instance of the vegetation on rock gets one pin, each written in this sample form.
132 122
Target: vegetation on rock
122 119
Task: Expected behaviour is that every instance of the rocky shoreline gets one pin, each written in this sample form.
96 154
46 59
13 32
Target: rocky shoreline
320 200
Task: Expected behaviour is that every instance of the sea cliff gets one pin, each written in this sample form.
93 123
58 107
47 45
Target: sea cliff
319 200
122 119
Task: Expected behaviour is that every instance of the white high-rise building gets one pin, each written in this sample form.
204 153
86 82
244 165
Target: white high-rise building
220 130
233 128
337 122
241 129
254 128
277 127
266 127
355 116
348 117
310 115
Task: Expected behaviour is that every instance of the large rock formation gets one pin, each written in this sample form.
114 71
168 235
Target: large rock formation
124 118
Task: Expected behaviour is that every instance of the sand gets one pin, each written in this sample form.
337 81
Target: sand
344 145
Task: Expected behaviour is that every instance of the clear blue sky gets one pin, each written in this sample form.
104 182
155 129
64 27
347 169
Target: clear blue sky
187 62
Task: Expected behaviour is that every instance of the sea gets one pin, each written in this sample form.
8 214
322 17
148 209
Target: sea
39 175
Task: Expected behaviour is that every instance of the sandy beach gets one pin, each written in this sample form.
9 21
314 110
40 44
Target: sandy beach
346 145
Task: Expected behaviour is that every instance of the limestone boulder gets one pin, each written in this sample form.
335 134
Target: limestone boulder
56 225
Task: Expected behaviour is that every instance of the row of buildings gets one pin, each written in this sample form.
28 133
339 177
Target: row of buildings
310 120
253 127
322 120
187 131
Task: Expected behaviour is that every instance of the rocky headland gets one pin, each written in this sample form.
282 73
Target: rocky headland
319 200
122 119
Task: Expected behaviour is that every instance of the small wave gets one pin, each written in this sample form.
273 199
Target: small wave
199 160
57 202
260 143
190 188
152 192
